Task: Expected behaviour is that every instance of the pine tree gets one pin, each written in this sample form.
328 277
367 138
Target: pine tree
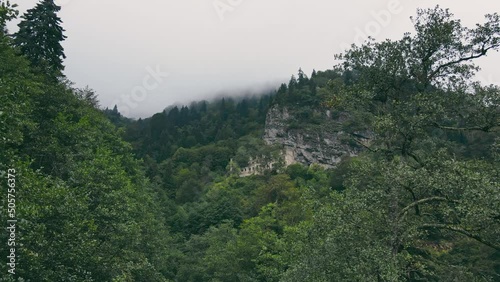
302 78
39 37
313 75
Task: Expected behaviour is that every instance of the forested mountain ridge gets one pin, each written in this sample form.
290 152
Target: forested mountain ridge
229 119
103 198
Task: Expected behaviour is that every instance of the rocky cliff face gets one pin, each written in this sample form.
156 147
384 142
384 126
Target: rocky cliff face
322 143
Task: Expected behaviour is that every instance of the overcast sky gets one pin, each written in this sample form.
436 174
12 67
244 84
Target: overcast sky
123 48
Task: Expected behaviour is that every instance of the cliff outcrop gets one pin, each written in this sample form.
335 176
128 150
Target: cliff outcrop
321 142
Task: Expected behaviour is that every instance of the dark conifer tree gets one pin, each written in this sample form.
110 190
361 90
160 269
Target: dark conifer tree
39 38
302 78
203 107
173 116
242 108
292 84
223 110
283 88
313 75
184 116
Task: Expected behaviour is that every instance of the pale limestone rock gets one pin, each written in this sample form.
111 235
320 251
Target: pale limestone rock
322 144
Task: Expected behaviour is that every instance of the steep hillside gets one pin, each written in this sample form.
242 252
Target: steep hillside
295 120
82 207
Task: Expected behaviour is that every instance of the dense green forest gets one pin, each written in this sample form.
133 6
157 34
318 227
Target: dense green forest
101 197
